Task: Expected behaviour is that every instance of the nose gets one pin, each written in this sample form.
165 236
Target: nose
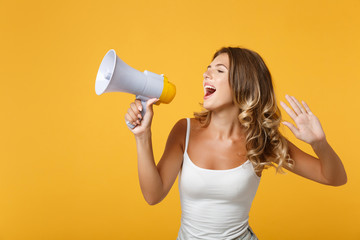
207 74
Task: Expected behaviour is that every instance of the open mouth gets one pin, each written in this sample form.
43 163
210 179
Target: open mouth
209 90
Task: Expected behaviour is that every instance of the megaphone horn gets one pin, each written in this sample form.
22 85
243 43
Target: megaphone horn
114 75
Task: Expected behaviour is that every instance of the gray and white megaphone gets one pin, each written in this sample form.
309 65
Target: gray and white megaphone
114 75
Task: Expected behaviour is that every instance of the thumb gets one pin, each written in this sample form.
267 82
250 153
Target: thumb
293 129
150 102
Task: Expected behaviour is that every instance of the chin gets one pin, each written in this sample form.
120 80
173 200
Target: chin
206 106
217 105
209 107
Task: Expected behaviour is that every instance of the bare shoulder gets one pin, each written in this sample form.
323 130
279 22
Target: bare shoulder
178 133
180 126
195 124
181 123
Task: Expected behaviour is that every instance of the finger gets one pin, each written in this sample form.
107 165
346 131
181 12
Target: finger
135 109
138 104
288 110
129 119
293 104
307 107
132 115
292 128
298 104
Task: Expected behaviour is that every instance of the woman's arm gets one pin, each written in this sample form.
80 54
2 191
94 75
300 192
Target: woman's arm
327 168
155 182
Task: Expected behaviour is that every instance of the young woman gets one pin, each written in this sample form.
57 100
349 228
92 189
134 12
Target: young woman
220 154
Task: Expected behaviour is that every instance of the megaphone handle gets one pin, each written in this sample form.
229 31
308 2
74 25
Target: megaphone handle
143 104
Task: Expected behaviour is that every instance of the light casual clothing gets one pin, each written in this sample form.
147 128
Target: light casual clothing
215 203
248 235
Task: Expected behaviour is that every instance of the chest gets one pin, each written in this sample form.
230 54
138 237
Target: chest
215 154
237 184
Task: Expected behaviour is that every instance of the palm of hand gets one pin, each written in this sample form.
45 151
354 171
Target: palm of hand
308 125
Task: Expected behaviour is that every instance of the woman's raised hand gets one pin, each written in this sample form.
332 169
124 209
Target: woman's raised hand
308 127
133 116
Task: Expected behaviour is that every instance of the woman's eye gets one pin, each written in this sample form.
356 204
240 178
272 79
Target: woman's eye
220 71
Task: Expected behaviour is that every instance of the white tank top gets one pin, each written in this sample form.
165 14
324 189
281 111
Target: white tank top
215 204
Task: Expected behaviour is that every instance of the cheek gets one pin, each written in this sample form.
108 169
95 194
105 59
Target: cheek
226 89
229 96
225 94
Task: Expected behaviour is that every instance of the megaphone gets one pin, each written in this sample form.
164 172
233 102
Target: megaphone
114 75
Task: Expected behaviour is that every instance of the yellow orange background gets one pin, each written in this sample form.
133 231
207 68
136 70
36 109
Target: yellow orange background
68 167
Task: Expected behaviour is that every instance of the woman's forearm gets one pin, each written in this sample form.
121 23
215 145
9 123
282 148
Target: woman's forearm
149 177
332 167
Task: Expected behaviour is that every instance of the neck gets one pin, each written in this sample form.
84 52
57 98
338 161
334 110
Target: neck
225 124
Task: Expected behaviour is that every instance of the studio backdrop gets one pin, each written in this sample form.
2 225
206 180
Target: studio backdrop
68 167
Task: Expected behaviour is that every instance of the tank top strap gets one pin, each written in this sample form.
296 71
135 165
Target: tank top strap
187 134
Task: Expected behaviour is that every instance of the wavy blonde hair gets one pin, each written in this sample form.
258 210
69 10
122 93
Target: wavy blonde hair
253 92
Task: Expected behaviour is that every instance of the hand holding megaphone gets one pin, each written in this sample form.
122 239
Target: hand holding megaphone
114 75
133 116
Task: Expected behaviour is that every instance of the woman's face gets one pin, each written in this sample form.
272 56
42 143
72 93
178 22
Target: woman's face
217 90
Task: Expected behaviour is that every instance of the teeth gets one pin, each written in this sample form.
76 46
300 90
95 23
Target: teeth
210 87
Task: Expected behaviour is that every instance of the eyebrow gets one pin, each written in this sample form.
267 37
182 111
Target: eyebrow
219 64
